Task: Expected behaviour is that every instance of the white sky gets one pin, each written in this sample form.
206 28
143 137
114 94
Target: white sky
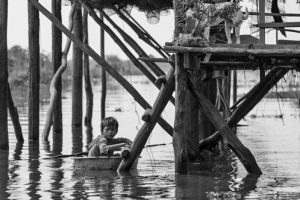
162 32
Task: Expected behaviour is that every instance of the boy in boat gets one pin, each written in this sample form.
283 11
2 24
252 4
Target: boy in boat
106 144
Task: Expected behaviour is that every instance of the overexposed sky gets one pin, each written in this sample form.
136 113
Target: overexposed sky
162 32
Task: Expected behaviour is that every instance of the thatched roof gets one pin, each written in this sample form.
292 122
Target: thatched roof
143 5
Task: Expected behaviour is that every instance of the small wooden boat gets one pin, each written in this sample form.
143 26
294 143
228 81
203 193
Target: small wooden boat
99 163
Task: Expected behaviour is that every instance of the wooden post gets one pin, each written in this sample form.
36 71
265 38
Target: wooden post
208 88
244 155
87 79
34 72
77 70
87 49
141 138
186 117
234 87
4 144
262 31
14 116
103 74
56 62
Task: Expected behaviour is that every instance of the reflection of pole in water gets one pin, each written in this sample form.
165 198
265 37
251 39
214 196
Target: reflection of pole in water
57 176
77 139
34 173
57 143
4 173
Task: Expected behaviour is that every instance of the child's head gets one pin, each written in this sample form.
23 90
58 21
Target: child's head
109 127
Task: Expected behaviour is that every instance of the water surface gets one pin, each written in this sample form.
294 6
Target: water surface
27 172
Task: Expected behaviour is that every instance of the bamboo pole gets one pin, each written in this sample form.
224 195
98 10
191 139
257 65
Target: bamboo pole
244 155
56 62
4 144
34 72
256 94
14 116
135 61
77 70
87 49
56 77
142 136
103 74
86 70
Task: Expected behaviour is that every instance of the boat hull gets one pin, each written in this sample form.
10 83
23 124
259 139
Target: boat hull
99 163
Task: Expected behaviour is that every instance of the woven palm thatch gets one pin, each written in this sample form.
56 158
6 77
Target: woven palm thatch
143 5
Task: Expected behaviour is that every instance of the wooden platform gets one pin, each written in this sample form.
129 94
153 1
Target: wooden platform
243 56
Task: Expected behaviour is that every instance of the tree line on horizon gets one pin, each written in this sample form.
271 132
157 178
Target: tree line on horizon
18 67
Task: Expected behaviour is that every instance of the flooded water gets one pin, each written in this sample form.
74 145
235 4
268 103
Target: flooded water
27 172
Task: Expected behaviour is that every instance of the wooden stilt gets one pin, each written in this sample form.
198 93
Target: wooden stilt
103 74
141 138
56 77
234 87
87 49
14 116
244 155
77 70
86 70
56 62
257 93
34 72
180 139
186 128
4 144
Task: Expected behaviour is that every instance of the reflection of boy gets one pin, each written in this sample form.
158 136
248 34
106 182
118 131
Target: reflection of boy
106 144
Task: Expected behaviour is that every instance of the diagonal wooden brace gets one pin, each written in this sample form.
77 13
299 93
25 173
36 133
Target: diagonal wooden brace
244 155
141 138
255 95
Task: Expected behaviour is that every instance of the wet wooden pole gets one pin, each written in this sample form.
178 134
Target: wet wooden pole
182 111
77 70
118 77
87 80
34 72
13 112
4 144
103 74
56 62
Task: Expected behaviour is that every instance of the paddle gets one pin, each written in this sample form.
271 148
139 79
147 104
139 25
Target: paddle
84 153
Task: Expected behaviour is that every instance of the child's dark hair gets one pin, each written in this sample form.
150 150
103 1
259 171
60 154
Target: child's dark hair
109 121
